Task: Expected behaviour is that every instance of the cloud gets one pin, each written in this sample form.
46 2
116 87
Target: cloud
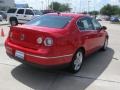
114 2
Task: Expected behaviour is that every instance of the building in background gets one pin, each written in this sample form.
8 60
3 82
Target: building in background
6 4
22 5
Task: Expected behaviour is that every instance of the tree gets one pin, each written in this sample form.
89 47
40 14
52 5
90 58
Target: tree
94 13
59 7
55 6
119 12
107 10
115 10
110 10
64 7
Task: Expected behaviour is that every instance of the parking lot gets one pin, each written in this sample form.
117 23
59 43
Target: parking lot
100 71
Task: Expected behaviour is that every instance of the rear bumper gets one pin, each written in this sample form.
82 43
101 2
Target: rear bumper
42 66
38 57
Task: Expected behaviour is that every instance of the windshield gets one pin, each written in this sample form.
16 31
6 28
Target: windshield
51 21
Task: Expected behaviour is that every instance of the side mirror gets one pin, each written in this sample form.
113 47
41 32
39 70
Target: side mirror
104 28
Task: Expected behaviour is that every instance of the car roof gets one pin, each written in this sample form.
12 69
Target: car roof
68 14
22 8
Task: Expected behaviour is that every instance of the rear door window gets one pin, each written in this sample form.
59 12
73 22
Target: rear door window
85 24
11 10
20 11
29 12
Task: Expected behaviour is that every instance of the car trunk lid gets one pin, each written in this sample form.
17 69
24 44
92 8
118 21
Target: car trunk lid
27 36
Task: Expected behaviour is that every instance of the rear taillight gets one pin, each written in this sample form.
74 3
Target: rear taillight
48 41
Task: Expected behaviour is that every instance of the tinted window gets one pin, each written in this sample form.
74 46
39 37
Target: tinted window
29 12
20 11
85 24
96 24
51 21
37 12
47 11
11 11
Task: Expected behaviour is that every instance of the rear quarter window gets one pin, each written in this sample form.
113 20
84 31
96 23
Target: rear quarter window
85 24
11 11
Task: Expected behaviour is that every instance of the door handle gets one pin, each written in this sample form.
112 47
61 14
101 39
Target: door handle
25 16
16 15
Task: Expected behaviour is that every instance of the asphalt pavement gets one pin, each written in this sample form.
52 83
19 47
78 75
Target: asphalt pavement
100 71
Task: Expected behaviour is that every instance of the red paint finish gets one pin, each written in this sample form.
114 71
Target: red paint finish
66 42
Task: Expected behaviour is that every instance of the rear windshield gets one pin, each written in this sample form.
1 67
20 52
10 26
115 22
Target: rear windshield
50 21
11 10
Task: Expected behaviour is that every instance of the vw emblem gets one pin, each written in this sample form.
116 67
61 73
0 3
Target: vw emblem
22 37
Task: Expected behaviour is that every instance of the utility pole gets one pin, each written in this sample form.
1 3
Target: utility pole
69 4
42 5
89 6
52 4
80 7
47 4
94 5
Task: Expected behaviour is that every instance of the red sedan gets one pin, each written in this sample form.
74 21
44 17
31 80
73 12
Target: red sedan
56 39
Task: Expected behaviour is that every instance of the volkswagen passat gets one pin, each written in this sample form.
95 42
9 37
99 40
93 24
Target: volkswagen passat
56 39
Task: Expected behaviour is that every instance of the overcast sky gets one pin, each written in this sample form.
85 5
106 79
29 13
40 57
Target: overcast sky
76 5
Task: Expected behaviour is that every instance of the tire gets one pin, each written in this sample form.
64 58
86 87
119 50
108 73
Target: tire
13 22
104 48
77 61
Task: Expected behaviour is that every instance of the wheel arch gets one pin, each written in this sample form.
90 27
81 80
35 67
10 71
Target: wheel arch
11 18
82 49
